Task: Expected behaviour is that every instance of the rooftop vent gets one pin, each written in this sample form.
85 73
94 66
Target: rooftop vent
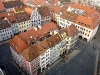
31 37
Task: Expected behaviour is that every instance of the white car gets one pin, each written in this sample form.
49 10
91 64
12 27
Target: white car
1 72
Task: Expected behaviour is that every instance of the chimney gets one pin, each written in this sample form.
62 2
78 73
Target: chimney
60 13
39 27
30 37
35 28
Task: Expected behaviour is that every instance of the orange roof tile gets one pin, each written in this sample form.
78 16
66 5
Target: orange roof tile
29 10
22 16
40 33
10 4
5 14
69 16
71 30
53 40
19 8
30 53
88 22
18 44
52 26
42 46
11 19
25 1
39 2
55 9
88 9
2 6
44 11
4 24
28 36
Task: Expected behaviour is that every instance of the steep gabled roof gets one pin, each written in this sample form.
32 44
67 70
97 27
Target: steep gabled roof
30 53
11 19
42 47
18 44
53 40
44 11
19 8
29 10
55 9
4 24
39 2
10 4
69 16
88 22
88 9
2 6
28 36
71 31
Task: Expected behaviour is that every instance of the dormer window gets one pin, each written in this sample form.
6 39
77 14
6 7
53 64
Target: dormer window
79 22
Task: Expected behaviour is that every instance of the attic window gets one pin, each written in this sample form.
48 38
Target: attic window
79 22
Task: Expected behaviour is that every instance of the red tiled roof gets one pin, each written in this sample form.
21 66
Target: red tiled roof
55 9
29 10
25 1
71 30
19 8
88 22
28 36
10 4
53 40
69 16
5 14
4 24
22 16
30 53
88 9
52 26
11 19
42 46
44 11
39 2
18 44
2 6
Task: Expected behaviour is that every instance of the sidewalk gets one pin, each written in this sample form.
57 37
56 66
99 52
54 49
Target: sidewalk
19 70
3 42
70 56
